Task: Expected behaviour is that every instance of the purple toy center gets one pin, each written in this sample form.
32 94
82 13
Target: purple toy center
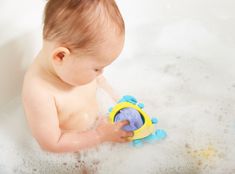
133 116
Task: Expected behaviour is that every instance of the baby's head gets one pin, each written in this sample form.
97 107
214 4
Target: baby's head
82 36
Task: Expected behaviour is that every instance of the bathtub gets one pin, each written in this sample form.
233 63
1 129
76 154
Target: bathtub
178 60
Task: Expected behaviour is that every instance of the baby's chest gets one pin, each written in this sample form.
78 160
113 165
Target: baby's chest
77 107
77 100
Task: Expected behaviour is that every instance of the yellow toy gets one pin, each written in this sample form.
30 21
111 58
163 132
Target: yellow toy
140 123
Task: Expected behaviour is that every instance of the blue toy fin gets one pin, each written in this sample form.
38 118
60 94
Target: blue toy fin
154 120
141 105
137 143
160 134
128 98
110 109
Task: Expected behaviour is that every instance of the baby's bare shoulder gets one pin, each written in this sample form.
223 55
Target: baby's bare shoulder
36 92
33 84
37 80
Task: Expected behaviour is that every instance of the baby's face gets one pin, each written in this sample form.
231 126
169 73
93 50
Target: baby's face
79 70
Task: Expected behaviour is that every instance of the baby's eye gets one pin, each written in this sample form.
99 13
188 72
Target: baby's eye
96 70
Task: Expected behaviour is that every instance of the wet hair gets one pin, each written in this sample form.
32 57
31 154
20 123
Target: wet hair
81 24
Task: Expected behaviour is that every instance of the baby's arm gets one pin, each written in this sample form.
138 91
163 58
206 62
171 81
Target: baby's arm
43 120
42 117
103 83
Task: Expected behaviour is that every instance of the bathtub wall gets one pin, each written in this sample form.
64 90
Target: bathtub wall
20 23
182 27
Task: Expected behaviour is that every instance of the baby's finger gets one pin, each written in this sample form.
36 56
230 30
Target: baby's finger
124 140
130 134
122 123
126 134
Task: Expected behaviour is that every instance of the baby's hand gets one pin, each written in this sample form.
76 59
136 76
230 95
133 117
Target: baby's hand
113 132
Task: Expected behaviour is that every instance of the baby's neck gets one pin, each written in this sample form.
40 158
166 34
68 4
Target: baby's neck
43 61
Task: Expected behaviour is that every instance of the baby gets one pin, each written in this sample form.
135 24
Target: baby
80 38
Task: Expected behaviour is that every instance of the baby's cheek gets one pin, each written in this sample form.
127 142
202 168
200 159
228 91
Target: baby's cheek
87 78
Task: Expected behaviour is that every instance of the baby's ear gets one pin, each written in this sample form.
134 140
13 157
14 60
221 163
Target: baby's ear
60 53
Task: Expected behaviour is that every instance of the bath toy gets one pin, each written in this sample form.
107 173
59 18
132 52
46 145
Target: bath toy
141 124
